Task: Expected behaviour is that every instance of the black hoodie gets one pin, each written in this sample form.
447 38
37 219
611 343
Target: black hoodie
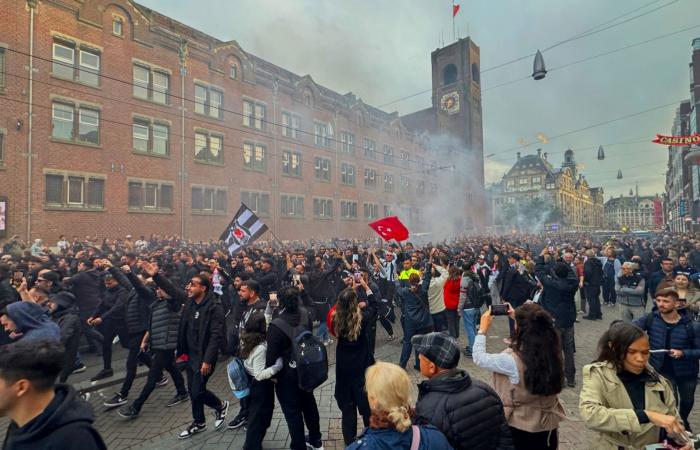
65 424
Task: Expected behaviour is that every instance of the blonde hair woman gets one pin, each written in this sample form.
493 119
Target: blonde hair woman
389 393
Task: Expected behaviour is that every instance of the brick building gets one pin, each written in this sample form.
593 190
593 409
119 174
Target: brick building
116 119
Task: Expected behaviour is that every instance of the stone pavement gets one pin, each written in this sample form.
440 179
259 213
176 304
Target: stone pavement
158 426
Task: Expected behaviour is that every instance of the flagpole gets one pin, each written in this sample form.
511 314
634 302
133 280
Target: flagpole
275 237
454 34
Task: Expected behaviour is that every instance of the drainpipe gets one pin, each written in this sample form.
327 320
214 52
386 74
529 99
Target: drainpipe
274 204
183 175
30 156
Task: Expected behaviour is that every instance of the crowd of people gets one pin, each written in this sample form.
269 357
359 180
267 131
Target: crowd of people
271 312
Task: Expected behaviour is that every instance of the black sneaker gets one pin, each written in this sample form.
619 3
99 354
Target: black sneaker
311 445
467 353
79 369
117 400
193 429
220 415
162 382
571 383
128 413
104 373
177 400
237 422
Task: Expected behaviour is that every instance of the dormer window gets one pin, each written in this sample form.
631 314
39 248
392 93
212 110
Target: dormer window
233 71
117 26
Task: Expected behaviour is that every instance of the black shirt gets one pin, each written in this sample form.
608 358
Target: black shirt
667 366
635 387
194 321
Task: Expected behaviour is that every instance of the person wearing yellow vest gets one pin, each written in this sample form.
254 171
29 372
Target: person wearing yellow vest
405 274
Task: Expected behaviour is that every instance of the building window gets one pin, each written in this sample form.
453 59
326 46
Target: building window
151 84
536 180
449 74
371 211
255 156
347 174
258 202
208 147
150 196
76 63
387 210
74 191
322 135
523 181
254 115
292 206
208 101
117 26
549 186
388 154
420 187
291 123
233 71
433 188
348 210
405 183
150 137
322 169
291 163
323 208
388 182
370 149
420 162
86 129
370 178
208 200
510 185
404 160
347 141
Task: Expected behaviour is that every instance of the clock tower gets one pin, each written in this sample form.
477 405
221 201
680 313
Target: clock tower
457 101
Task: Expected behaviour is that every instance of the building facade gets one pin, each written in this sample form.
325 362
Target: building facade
563 192
634 212
116 119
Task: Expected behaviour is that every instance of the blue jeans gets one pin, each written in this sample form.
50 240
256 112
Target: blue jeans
470 318
322 332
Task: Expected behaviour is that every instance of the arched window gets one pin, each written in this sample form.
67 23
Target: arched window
449 74
475 73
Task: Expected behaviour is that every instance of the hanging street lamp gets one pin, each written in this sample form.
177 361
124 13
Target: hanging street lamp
538 69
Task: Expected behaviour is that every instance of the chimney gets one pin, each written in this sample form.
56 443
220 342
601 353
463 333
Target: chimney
539 152
518 156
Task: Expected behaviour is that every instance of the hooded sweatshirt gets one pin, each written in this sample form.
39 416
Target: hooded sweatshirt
65 424
436 297
33 322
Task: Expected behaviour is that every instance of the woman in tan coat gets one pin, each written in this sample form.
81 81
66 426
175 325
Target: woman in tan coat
623 399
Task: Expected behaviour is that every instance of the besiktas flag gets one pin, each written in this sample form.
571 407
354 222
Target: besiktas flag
390 228
244 229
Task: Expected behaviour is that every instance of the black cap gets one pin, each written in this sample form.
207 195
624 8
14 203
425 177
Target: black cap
440 348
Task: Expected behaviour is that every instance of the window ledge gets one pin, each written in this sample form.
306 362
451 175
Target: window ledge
82 83
349 219
322 218
73 208
196 212
321 180
150 211
154 155
148 100
209 163
263 130
298 177
221 119
72 142
286 216
250 169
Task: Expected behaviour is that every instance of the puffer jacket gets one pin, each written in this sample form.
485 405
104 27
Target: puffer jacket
684 336
415 312
606 408
469 412
630 290
137 303
164 324
389 439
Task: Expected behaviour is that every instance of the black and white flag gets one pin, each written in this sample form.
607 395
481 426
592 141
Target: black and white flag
244 229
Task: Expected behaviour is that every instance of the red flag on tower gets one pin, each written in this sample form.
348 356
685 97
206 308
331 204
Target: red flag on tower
390 228
455 10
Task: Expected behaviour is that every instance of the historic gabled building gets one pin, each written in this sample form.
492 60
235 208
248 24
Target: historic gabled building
634 212
562 189
117 119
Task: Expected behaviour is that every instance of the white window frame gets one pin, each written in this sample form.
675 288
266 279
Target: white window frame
117 22
82 191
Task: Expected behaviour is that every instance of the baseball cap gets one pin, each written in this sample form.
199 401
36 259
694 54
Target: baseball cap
440 348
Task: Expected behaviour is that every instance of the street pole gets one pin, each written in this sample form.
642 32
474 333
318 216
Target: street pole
30 156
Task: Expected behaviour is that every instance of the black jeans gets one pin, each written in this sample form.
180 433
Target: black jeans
568 345
162 359
582 293
132 362
684 391
199 395
544 440
109 330
352 399
452 322
609 295
439 321
299 408
593 300
260 405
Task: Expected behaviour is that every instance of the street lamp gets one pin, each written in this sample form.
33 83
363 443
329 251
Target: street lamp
538 69
601 153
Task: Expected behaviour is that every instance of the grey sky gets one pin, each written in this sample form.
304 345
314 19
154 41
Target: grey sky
380 50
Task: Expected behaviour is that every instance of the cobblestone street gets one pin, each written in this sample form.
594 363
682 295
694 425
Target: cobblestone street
158 426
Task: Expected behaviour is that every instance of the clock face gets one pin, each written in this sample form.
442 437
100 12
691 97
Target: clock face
449 103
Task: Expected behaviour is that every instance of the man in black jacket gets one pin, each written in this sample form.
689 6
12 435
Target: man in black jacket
559 286
268 279
65 314
592 281
88 289
42 415
467 411
201 335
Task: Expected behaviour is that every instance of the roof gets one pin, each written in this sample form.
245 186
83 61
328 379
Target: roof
627 202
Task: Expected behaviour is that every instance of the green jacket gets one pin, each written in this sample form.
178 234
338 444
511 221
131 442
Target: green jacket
606 408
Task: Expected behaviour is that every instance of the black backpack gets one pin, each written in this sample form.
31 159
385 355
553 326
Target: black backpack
476 294
308 354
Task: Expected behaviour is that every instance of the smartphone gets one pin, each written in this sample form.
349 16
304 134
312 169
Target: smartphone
358 276
273 296
551 249
499 310
296 279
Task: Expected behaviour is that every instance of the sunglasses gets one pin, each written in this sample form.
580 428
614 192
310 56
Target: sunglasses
194 283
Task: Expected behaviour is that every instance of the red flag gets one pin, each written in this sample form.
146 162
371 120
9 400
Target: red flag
390 228
455 10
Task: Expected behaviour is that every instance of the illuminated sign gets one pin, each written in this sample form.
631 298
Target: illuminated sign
677 140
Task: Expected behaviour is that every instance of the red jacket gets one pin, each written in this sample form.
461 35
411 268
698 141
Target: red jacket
451 293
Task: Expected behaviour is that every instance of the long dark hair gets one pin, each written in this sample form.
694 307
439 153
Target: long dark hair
614 343
538 345
254 333
289 298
